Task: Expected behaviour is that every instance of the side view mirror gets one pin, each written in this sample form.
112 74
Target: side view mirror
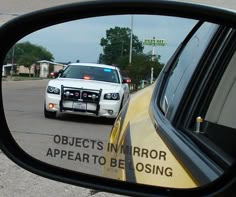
56 74
174 137
59 73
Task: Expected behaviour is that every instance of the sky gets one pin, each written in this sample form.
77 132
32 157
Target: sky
80 39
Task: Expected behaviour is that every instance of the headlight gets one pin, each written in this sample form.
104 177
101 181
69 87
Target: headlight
112 96
53 90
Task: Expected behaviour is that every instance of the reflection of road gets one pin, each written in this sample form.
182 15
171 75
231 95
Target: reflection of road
23 105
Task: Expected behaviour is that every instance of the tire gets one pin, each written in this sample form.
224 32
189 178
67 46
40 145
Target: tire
112 121
49 114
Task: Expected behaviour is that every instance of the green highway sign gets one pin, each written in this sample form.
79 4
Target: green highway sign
154 42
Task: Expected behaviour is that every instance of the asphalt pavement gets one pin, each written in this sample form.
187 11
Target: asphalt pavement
23 105
17 182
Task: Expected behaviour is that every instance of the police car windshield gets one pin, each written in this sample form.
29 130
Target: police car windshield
91 73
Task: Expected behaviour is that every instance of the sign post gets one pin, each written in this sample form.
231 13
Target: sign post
154 42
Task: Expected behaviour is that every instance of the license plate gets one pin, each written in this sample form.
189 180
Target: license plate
80 105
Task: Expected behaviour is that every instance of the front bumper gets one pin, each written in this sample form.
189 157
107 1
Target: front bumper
82 101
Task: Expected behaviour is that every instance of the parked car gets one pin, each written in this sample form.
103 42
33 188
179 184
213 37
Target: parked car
53 74
86 89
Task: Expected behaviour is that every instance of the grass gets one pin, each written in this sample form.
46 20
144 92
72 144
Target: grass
20 78
25 78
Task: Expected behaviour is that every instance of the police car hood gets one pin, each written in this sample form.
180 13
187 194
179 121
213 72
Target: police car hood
86 84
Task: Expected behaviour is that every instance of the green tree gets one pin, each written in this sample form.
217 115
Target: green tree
141 67
116 45
116 51
27 54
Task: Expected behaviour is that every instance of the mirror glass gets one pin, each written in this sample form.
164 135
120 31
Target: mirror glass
55 69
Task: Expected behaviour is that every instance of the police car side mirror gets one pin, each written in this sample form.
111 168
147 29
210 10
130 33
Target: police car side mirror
60 72
93 152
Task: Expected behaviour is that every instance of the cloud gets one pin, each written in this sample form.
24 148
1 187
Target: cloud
80 39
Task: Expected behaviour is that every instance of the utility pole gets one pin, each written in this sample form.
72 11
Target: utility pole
151 79
131 40
153 51
12 59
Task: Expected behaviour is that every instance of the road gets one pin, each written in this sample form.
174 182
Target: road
40 137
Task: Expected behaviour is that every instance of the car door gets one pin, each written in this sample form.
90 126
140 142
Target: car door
177 94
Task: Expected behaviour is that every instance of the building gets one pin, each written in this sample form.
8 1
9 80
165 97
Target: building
45 67
6 70
40 69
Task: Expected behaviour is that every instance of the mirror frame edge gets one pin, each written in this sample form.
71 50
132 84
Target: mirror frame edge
36 20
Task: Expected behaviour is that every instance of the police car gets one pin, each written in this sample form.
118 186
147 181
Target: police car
86 89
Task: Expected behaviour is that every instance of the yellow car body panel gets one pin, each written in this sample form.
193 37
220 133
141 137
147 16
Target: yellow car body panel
136 151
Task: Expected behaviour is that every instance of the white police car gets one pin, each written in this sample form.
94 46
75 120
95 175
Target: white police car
86 89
